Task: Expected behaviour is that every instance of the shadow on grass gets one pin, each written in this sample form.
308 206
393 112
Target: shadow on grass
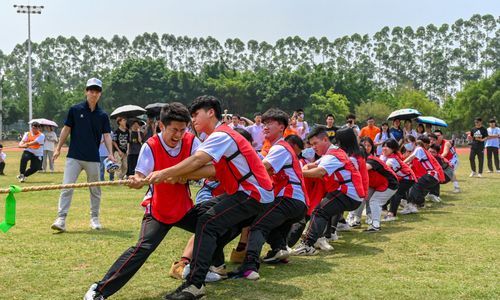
104 232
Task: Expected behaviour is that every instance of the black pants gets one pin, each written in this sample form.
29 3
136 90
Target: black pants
131 163
2 167
272 225
35 163
480 157
334 203
492 152
152 234
215 224
424 185
296 231
402 192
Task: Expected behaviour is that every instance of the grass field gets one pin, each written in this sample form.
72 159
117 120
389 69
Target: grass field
450 250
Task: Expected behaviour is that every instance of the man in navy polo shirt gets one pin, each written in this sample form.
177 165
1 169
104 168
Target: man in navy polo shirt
86 122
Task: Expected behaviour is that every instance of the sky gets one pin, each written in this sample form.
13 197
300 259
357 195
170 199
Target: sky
261 20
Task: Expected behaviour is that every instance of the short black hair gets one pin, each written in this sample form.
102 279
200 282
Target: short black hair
436 147
300 110
174 111
294 139
385 123
424 139
319 131
330 115
1 146
275 114
369 140
410 138
350 116
391 144
245 134
370 118
206 102
493 121
432 135
478 119
438 131
237 116
348 141
257 114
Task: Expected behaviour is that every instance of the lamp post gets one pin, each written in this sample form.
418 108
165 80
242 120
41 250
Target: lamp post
29 9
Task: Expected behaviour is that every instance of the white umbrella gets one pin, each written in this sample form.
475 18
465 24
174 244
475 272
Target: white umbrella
404 114
128 111
45 122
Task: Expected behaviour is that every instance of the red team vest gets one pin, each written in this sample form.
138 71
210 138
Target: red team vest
170 202
332 185
228 174
379 180
420 170
451 153
315 190
281 179
403 168
363 171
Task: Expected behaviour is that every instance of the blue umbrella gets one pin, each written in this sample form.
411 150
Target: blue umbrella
404 114
432 120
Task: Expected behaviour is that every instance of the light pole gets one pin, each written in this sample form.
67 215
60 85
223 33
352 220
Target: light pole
29 9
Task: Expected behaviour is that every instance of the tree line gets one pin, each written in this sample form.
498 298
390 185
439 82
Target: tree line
429 68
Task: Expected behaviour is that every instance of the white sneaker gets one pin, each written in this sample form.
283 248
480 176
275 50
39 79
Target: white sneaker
343 227
389 218
403 203
21 178
91 294
59 224
333 237
479 175
212 275
95 224
498 171
305 250
410 208
472 174
489 171
433 198
323 244
456 190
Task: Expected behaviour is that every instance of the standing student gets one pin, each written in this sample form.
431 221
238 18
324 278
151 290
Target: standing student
32 141
370 130
408 130
343 183
256 130
236 122
396 131
48 148
477 135
290 204
406 177
448 151
3 156
167 205
381 137
492 144
86 122
134 147
351 123
247 185
331 129
302 126
121 139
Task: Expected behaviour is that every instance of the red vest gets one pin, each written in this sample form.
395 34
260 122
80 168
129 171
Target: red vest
451 153
363 171
332 185
315 190
403 168
228 174
379 180
170 202
419 169
281 179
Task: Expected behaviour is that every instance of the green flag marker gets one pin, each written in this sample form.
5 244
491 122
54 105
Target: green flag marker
10 209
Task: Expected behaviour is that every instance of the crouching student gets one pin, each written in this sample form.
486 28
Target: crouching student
167 205
448 151
427 170
247 187
448 171
343 183
273 224
406 177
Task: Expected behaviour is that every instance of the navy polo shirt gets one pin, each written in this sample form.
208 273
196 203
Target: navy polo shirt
87 128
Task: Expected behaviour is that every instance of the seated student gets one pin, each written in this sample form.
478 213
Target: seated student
427 170
343 183
290 204
406 177
247 185
447 151
167 205
447 170
383 184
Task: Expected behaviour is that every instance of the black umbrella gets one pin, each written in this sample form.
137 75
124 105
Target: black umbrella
154 109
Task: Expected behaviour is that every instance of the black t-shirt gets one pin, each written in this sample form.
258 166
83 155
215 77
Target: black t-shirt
480 132
331 132
135 145
121 138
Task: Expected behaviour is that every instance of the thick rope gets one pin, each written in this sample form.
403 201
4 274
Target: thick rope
68 186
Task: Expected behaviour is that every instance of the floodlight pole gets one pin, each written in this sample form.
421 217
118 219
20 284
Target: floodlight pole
29 9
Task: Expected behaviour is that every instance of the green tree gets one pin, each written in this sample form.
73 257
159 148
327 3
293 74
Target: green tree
323 103
378 110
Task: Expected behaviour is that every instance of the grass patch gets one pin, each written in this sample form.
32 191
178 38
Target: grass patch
448 251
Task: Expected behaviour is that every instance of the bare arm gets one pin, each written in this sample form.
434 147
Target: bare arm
317 172
409 158
446 149
109 147
250 122
269 168
62 139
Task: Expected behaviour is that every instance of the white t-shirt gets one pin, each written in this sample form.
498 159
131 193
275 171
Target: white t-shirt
424 160
257 132
40 140
331 164
220 144
303 129
493 142
278 157
237 126
146 162
103 151
3 156
50 141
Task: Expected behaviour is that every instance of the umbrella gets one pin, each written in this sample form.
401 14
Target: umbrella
154 109
128 111
432 120
404 114
45 122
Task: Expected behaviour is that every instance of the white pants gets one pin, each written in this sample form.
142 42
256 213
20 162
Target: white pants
376 201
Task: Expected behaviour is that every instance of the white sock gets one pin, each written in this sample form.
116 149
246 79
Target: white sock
455 184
